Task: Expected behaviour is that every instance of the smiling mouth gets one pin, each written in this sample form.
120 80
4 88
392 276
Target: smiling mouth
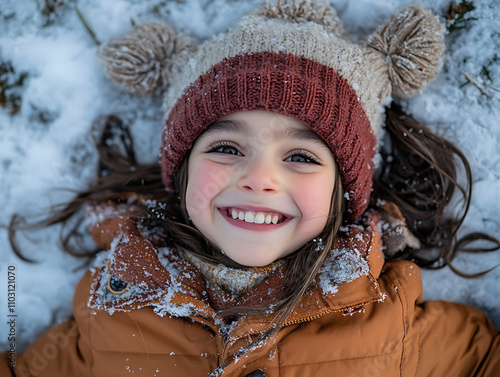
254 217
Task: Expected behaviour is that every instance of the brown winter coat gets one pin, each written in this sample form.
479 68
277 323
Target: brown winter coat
360 318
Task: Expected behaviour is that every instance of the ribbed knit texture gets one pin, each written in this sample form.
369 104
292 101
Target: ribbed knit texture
233 280
289 85
365 70
297 62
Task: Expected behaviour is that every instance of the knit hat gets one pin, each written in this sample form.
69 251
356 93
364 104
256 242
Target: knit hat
290 57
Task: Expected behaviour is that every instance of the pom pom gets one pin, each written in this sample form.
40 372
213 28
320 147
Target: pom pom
140 60
304 11
413 43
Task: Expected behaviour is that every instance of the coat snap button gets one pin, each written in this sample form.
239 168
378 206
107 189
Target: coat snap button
256 373
117 286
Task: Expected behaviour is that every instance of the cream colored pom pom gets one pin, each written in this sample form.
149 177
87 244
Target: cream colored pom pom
304 11
140 60
413 43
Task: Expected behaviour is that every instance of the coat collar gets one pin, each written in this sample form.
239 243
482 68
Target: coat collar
165 281
161 278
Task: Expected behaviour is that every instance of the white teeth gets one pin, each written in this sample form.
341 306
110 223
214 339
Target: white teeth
259 218
254 217
249 217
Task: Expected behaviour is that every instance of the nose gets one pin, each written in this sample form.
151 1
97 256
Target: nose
259 176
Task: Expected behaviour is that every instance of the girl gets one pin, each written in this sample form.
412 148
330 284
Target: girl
265 255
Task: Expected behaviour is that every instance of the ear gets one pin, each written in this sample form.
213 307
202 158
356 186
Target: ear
140 60
412 43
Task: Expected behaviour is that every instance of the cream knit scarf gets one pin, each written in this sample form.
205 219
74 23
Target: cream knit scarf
233 280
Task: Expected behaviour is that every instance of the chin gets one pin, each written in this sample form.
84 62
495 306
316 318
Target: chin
252 259
257 263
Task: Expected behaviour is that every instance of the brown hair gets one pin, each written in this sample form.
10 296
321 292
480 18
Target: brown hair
118 172
418 173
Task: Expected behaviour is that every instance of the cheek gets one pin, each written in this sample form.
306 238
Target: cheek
205 180
314 196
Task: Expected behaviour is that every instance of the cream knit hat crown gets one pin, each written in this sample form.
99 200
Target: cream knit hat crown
290 57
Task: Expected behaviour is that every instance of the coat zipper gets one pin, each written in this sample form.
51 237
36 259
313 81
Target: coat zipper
306 319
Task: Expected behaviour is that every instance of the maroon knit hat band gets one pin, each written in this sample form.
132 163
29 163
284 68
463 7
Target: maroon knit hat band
291 57
284 84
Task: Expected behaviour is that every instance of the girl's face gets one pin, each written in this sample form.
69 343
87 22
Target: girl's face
259 185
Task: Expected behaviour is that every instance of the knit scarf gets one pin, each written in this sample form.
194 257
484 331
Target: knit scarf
232 280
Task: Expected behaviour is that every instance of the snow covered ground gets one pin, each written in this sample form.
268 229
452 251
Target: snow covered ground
47 145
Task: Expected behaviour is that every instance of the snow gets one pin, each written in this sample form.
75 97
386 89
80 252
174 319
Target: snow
342 266
48 145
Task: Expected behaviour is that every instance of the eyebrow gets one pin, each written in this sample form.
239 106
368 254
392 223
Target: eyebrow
278 134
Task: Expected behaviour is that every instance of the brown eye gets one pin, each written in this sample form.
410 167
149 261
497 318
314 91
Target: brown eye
117 286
